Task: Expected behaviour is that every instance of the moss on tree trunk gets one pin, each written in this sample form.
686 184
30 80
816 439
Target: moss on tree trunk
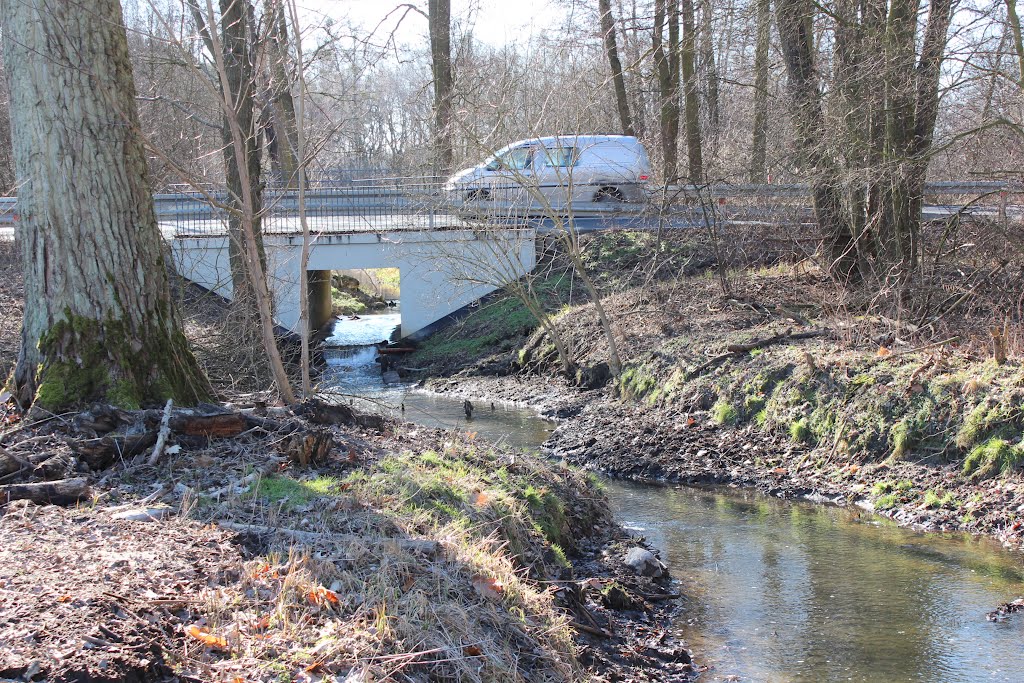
86 360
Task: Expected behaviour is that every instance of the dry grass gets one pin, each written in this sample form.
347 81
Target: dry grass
356 601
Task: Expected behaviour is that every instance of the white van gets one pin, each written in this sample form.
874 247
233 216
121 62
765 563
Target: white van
553 172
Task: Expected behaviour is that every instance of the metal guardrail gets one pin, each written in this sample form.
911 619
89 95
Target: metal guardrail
376 202
727 191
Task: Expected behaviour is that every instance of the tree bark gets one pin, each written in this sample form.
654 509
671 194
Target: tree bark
236 42
98 320
282 133
794 18
759 146
708 61
667 66
611 49
1018 41
691 99
439 19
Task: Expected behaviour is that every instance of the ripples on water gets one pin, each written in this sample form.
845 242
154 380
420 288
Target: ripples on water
777 591
786 591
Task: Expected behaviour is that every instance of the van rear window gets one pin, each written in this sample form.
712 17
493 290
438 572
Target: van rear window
561 157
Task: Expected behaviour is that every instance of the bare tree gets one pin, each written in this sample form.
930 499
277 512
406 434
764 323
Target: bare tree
797 38
231 52
612 51
282 131
667 67
439 19
98 317
691 98
759 143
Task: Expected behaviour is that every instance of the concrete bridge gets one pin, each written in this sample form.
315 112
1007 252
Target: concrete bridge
441 269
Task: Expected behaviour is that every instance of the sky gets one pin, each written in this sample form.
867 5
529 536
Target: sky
496 22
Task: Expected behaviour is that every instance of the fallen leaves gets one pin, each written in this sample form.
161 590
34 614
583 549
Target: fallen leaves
323 596
207 638
488 587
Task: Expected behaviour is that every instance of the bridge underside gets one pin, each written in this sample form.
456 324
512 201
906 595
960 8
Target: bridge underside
440 271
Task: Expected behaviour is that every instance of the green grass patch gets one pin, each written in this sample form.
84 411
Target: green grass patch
296 492
995 456
800 431
346 304
724 413
637 382
887 502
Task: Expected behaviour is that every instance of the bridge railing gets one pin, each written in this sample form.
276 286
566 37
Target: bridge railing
418 201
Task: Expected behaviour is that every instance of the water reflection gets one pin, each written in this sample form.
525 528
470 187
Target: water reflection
355 377
797 592
778 591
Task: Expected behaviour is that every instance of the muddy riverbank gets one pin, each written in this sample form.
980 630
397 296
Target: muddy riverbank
634 440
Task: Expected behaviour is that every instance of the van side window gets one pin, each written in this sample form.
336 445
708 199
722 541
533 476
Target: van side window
516 159
561 157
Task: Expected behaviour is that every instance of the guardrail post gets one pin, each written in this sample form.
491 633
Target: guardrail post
1002 206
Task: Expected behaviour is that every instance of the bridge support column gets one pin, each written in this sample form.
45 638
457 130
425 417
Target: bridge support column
320 307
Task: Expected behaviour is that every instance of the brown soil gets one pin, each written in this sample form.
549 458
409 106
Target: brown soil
87 597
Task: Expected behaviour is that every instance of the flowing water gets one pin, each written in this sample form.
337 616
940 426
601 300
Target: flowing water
776 591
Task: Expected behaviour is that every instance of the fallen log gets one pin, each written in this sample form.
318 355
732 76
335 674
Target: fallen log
61 492
319 412
415 545
738 349
11 463
100 452
222 425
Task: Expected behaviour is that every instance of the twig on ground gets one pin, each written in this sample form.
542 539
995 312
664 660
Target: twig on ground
161 439
735 350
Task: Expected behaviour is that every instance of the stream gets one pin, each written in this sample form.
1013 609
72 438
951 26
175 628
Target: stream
776 591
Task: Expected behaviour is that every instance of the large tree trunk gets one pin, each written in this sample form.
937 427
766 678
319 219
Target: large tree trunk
795 33
98 322
911 87
691 99
611 49
668 84
282 132
439 18
759 150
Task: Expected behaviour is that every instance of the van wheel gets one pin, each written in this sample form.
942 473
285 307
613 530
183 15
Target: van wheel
474 195
609 194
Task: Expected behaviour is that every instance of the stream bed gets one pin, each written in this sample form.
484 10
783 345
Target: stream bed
776 591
